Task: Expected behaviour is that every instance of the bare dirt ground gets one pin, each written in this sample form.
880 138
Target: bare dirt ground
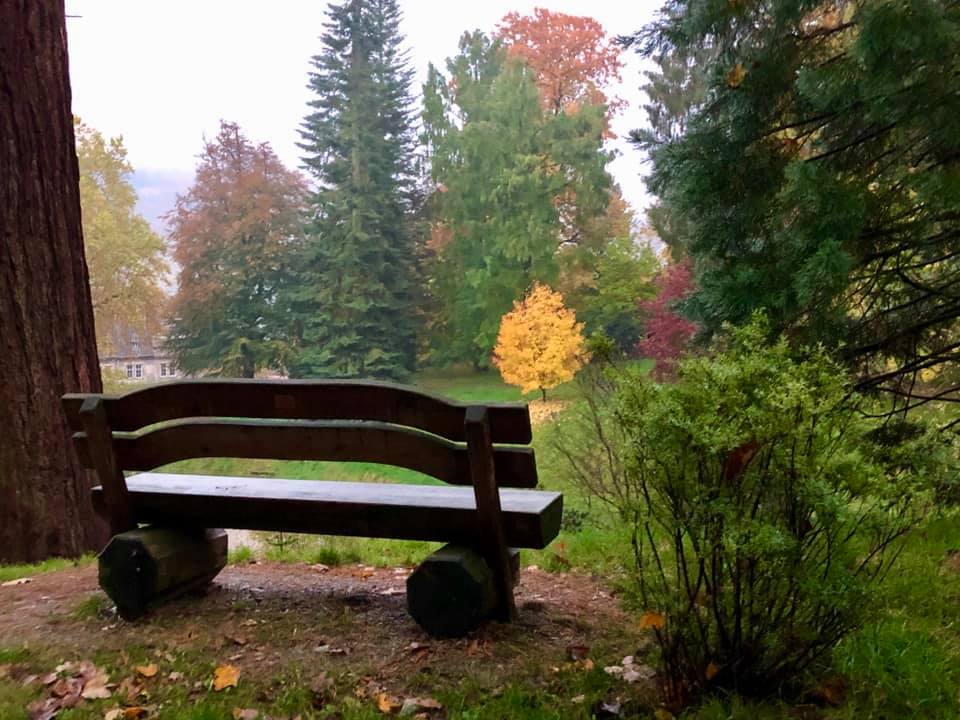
262 617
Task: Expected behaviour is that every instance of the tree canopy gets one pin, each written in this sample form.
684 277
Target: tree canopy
234 233
125 257
819 176
502 166
354 296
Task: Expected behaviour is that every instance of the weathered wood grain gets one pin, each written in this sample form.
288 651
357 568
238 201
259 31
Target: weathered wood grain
531 518
490 541
300 440
303 400
102 458
142 567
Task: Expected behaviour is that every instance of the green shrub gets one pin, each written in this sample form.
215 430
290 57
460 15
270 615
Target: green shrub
763 512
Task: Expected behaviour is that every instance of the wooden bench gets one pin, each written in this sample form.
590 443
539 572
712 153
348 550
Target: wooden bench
475 449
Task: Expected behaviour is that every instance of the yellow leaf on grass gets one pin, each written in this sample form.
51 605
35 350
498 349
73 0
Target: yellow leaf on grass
225 676
652 620
387 704
147 670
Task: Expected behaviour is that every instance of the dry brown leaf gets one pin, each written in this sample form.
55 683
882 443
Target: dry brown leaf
129 689
712 670
114 714
736 75
225 676
387 704
245 714
652 620
148 671
134 713
96 687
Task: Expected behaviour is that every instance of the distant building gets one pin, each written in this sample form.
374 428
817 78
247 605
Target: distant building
138 359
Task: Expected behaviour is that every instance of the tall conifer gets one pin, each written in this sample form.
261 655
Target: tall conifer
353 300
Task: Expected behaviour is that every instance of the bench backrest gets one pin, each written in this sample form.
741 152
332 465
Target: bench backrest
303 420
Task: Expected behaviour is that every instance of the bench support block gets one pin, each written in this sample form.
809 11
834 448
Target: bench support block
145 566
453 591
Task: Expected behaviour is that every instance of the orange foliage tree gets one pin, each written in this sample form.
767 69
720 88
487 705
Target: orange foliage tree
540 344
572 57
233 234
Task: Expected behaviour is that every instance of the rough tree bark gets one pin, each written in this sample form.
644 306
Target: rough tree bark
47 341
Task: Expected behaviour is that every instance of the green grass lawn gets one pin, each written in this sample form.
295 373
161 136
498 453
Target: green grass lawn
905 663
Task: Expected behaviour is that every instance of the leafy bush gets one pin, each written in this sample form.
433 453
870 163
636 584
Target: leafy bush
763 512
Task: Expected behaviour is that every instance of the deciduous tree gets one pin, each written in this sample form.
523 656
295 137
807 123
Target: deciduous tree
572 57
234 234
540 344
355 295
47 343
502 168
609 271
124 256
667 332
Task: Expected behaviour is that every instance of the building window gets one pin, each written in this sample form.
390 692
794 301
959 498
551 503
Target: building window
138 370
130 370
163 370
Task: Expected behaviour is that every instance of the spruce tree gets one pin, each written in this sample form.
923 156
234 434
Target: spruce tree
353 300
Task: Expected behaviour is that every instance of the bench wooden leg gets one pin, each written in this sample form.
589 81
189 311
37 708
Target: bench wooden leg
145 566
454 590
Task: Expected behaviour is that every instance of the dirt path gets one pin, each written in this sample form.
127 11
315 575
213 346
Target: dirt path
266 616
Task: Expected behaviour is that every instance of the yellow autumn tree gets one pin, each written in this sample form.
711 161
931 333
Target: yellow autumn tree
540 344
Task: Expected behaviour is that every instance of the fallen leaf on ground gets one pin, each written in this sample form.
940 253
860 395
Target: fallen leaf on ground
5 671
330 650
114 714
18 581
245 714
147 671
387 704
418 706
712 670
652 620
175 676
96 687
134 713
577 652
225 676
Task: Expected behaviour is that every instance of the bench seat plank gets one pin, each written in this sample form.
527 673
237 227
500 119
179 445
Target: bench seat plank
531 518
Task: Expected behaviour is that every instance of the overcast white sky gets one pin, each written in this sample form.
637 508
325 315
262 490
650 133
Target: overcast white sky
162 74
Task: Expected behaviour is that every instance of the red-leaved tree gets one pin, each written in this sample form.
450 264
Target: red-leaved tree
668 333
572 57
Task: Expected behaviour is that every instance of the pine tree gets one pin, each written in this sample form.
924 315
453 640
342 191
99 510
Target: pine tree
354 297
819 178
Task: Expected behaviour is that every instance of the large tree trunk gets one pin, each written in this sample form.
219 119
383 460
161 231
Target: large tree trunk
47 342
